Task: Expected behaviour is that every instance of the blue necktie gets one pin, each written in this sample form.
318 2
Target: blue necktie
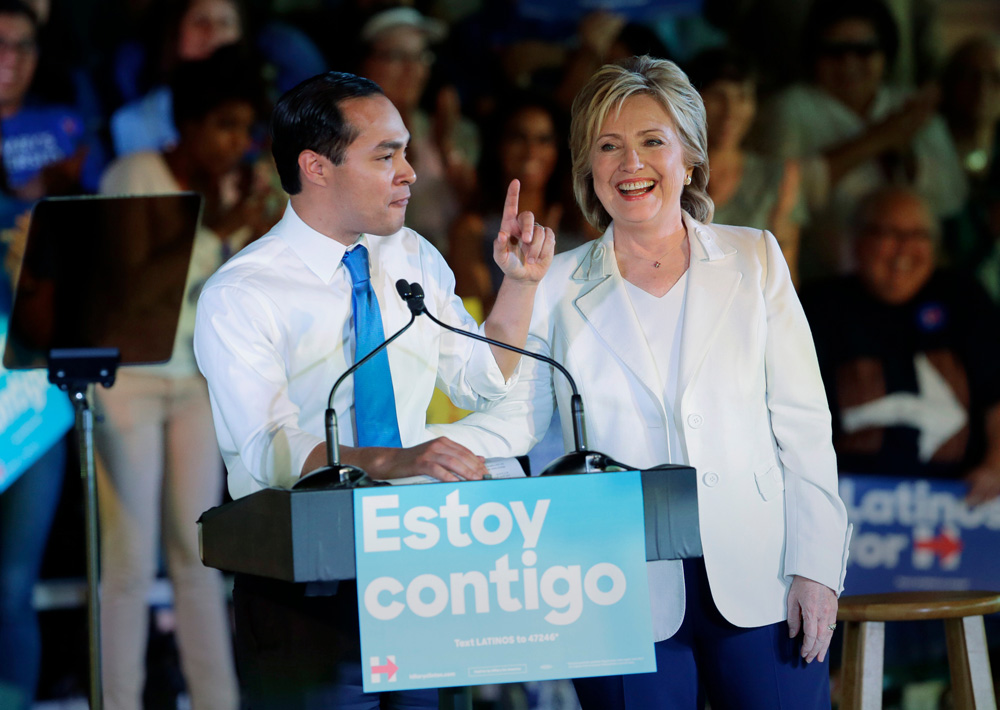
374 400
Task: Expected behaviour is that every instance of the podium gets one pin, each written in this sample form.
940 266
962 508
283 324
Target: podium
308 535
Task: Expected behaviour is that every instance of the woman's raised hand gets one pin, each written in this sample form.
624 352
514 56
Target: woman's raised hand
523 248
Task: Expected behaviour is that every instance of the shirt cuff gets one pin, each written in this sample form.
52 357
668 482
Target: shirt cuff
287 454
484 374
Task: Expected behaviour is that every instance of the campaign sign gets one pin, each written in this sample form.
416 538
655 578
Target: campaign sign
33 416
502 581
918 534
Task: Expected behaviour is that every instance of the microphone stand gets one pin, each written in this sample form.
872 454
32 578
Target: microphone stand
579 460
335 474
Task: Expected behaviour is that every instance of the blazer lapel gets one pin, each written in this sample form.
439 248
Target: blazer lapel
606 307
712 283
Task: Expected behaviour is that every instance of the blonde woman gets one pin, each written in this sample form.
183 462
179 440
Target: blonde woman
691 347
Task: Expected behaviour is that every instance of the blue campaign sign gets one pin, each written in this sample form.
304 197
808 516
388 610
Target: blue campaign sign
33 415
916 534
502 581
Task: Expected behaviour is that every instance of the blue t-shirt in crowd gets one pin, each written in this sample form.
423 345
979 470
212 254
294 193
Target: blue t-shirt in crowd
37 136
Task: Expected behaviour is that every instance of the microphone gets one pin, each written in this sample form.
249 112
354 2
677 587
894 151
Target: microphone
336 474
580 460
413 295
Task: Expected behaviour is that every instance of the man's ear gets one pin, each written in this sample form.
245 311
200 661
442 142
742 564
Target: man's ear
315 168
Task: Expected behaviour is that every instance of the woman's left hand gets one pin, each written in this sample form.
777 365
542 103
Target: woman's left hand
523 249
812 609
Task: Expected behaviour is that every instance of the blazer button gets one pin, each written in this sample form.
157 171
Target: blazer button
710 479
695 420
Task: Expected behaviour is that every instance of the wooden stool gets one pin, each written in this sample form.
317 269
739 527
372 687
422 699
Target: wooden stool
864 618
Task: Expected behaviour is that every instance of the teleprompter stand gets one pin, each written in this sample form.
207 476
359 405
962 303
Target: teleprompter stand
102 285
75 370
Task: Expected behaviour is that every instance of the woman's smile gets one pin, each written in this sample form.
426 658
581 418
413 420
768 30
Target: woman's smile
634 189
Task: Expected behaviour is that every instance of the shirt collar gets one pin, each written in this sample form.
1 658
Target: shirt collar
322 254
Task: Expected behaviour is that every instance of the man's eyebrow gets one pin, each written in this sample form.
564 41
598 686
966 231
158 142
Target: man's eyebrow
392 145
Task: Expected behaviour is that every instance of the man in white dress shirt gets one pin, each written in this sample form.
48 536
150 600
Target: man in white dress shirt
275 330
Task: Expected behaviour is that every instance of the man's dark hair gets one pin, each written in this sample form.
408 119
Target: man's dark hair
228 75
308 117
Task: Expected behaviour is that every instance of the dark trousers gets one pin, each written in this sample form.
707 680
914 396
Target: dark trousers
735 668
27 510
298 651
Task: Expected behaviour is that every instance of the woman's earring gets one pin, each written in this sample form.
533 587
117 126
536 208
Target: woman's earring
687 180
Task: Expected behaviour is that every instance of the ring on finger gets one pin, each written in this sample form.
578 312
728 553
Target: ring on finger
832 626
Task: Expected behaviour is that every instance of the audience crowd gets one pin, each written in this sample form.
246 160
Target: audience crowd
846 127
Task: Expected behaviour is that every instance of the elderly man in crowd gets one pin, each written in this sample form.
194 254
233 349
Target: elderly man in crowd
908 353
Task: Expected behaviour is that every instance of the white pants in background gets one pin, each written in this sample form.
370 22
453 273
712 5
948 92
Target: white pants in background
161 469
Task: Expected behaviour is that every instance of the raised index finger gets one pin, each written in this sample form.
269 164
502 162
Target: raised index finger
509 220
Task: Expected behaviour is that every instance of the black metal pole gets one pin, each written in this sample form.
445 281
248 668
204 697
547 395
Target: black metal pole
85 432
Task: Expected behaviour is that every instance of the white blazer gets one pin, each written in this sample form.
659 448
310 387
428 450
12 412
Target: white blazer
752 415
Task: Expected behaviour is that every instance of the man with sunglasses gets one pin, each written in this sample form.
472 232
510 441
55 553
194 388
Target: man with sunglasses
852 132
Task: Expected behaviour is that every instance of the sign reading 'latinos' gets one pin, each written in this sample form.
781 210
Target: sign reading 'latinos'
500 581
913 534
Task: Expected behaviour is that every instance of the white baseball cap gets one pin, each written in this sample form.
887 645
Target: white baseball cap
403 17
